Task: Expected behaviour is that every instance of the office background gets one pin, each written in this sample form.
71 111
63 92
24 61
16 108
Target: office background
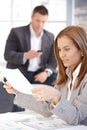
15 13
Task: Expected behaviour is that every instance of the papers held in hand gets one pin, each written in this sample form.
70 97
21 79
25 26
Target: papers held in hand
17 80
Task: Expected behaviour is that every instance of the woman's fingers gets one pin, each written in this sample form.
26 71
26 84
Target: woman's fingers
10 89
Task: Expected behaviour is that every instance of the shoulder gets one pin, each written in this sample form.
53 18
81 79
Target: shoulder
20 28
49 34
83 83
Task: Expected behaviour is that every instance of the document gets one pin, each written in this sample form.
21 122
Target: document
79 127
7 121
42 123
32 121
17 80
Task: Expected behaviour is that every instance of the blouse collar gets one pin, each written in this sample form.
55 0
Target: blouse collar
75 73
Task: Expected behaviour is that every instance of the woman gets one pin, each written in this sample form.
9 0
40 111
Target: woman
68 99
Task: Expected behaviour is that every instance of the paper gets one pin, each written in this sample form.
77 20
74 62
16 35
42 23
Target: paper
30 120
17 80
7 121
41 123
79 127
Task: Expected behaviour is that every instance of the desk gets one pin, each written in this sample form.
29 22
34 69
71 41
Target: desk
30 120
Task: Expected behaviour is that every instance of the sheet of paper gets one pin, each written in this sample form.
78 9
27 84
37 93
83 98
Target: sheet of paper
79 127
17 80
33 121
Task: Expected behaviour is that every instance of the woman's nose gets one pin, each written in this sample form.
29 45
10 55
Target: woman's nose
62 53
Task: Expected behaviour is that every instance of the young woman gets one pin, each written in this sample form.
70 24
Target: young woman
68 99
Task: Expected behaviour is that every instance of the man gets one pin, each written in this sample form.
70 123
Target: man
30 49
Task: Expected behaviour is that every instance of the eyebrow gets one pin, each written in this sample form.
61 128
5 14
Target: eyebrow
64 46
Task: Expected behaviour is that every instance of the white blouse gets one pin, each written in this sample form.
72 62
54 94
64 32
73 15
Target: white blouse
72 80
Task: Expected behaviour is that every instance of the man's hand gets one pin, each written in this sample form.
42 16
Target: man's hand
41 77
32 54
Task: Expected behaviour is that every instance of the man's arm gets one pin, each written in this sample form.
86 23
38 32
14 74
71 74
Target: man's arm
13 53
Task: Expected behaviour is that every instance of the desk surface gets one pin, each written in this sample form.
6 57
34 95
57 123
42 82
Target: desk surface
33 121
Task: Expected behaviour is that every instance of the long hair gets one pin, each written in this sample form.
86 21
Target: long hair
79 37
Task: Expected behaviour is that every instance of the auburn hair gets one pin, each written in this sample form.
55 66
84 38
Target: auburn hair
79 37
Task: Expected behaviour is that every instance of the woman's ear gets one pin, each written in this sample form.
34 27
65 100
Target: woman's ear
81 54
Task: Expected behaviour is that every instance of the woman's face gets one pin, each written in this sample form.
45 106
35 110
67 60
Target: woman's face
69 54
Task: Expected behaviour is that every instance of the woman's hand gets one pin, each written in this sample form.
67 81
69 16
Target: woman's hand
46 93
9 88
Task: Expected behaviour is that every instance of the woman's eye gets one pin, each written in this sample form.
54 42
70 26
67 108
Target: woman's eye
67 49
